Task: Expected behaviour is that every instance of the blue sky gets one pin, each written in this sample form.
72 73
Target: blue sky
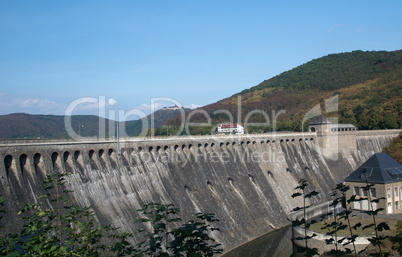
194 52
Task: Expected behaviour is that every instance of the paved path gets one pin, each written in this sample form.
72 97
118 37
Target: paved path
384 216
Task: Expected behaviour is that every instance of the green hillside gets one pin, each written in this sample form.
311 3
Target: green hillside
21 125
368 86
334 71
135 128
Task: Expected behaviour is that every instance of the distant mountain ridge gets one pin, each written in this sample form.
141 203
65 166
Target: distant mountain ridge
22 125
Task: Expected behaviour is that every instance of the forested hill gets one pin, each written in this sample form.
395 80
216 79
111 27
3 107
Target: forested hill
21 125
335 71
368 86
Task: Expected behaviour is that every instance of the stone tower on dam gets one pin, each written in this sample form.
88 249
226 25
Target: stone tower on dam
246 180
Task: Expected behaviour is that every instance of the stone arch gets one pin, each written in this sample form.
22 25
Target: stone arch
270 174
221 144
190 146
293 140
311 139
273 141
55 157
77 154
67 161
91 153
150 148
262 142
227 144
8 164
288 170
158 148
112 157
66 155
199 145
312 129
110 152
139 149
23 162
175 147
78 160
38 162
92 163
101 152
254 142
205 145
183 146
166 147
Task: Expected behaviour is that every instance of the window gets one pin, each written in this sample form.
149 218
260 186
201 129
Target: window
396 205
396 191
373 192
364 191
388 192
357 190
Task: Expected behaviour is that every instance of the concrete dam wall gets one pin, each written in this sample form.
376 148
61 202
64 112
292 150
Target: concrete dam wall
247 181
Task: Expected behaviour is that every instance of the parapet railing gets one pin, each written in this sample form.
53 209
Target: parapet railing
88 140
378 132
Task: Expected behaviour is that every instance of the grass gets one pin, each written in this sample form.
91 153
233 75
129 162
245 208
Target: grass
318 227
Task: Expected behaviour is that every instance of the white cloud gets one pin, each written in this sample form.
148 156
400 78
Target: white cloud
11 104
35 103
112 101
193 106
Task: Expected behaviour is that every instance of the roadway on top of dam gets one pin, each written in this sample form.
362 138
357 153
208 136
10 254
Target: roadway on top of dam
93 140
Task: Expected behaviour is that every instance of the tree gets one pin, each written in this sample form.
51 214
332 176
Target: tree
338 195
397 240
67 230
303 192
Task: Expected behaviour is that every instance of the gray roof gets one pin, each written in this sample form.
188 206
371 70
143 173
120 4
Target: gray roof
380 169
342 126
319 119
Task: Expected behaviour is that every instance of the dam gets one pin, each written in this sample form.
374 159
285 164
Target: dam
246 180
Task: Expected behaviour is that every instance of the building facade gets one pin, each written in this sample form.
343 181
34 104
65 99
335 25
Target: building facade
230 128
384 175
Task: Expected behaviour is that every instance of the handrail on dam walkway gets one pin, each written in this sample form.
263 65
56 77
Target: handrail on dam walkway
89 140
